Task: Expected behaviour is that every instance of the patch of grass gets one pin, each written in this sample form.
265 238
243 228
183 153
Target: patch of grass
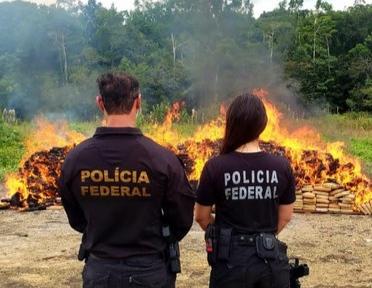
86 128
363 149
11 147
354 129
184 130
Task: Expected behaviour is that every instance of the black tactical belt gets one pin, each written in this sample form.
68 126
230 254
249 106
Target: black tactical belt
244 240
124 260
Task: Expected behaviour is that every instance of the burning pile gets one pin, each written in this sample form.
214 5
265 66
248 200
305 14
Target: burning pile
34 187
39 185
314 163
327 180
324 195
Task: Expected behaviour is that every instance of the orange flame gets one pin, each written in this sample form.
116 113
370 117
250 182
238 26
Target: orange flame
44 137
315 161
348 174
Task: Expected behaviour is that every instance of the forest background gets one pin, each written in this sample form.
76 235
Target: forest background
316 64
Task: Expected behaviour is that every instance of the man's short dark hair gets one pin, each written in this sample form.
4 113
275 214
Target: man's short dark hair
118 91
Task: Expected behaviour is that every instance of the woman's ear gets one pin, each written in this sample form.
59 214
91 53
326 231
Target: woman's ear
99 103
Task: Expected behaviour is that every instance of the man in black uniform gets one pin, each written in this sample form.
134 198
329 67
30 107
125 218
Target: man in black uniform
120 189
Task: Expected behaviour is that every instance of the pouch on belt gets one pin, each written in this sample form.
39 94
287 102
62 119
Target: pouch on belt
224 244
267 246
211 239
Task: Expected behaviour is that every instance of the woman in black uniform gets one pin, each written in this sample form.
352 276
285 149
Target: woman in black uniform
253 192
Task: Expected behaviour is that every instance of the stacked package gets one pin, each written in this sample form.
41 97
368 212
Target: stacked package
324 198
366 207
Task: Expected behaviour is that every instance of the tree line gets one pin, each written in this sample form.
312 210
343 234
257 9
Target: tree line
199 51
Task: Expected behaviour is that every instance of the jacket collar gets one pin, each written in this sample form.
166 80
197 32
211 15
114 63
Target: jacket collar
100 131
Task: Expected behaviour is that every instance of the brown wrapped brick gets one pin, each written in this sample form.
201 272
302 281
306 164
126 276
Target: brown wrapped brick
322 197
309 201
345 206
322 188
364 209
347 201
369 206
347 211
320 200
334 210
350 196
307 188
322 205
342 194
334 192
309 207
318 193
332 185
309 195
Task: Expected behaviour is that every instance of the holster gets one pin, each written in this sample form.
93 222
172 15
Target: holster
172 252
83 253
224 244
174 257
211 242
218 243
267 246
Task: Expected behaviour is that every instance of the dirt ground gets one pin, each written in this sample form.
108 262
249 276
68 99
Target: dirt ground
38 249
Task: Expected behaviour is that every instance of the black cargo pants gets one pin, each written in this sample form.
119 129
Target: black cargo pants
134 272
245 269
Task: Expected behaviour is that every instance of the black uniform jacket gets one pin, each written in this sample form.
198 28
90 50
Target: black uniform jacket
114 187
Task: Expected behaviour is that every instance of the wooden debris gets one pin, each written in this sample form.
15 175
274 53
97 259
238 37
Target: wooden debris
4 205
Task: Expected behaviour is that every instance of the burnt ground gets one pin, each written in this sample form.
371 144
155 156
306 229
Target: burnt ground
38 249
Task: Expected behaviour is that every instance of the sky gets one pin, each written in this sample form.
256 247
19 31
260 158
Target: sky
259 5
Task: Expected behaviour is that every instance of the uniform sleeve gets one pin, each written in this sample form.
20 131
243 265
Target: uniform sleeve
179 200
205 195
289 194
73 210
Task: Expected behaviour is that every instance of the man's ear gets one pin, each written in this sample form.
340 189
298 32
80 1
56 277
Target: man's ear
139 102
99 103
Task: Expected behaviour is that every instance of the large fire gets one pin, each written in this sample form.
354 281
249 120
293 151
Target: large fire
314 162
35 184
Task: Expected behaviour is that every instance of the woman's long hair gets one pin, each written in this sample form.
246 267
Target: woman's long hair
246 119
